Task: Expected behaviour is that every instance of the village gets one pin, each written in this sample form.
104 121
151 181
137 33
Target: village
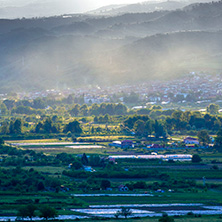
181 90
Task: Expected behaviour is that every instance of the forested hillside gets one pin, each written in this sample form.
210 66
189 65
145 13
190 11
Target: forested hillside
71 50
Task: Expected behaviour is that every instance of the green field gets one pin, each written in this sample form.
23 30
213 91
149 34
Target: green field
209 197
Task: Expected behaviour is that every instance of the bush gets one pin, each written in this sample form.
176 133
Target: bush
215 167
47 212
166 218
196 158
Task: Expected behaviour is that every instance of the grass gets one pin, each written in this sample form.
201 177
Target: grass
82 138
209 197
47 169
176 219
112 138
58 149
194 174
36 141
63 202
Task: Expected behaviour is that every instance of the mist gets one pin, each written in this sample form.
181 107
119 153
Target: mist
79 50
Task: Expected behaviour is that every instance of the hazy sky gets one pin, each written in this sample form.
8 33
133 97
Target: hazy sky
83 4
33 8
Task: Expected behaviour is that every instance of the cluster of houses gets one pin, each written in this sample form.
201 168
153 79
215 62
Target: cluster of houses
188 142
151 91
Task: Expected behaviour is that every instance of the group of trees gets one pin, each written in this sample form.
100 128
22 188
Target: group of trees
30 211
21 180
178 121
38 106
98 109
188 120
144 126
11 127
46 126
149 121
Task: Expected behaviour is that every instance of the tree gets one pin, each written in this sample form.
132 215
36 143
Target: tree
159 130
131 98
31 211
22 212
105 184
148 127
15 127
27 211
73 127
213 109
3 109
95 160
139 127
126 212
38 127
70 99
196 158
1 141
117 214
38 103
47 125
77 165
18 126
84 159
120 109
47 212
158 107
218 140
203 137
166 218
84 110
75 110
9 103
5 128
40 186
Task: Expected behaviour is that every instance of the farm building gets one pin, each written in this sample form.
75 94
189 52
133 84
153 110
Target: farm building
191 140
122 144
115 144
123 188
175 157
127 144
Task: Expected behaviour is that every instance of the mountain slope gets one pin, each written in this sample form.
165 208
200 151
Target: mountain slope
82 49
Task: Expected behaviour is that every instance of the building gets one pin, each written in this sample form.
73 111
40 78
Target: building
191 140
154 146
122 144
115 144
123 188
127 144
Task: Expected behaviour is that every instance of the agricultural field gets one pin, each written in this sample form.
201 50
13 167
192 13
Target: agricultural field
110 166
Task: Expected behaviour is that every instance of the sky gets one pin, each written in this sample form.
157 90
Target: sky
80 4
35 8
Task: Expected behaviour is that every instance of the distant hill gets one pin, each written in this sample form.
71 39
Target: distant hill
143 7
74 50
12 9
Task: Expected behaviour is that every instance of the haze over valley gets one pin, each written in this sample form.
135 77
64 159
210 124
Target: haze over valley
119 47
